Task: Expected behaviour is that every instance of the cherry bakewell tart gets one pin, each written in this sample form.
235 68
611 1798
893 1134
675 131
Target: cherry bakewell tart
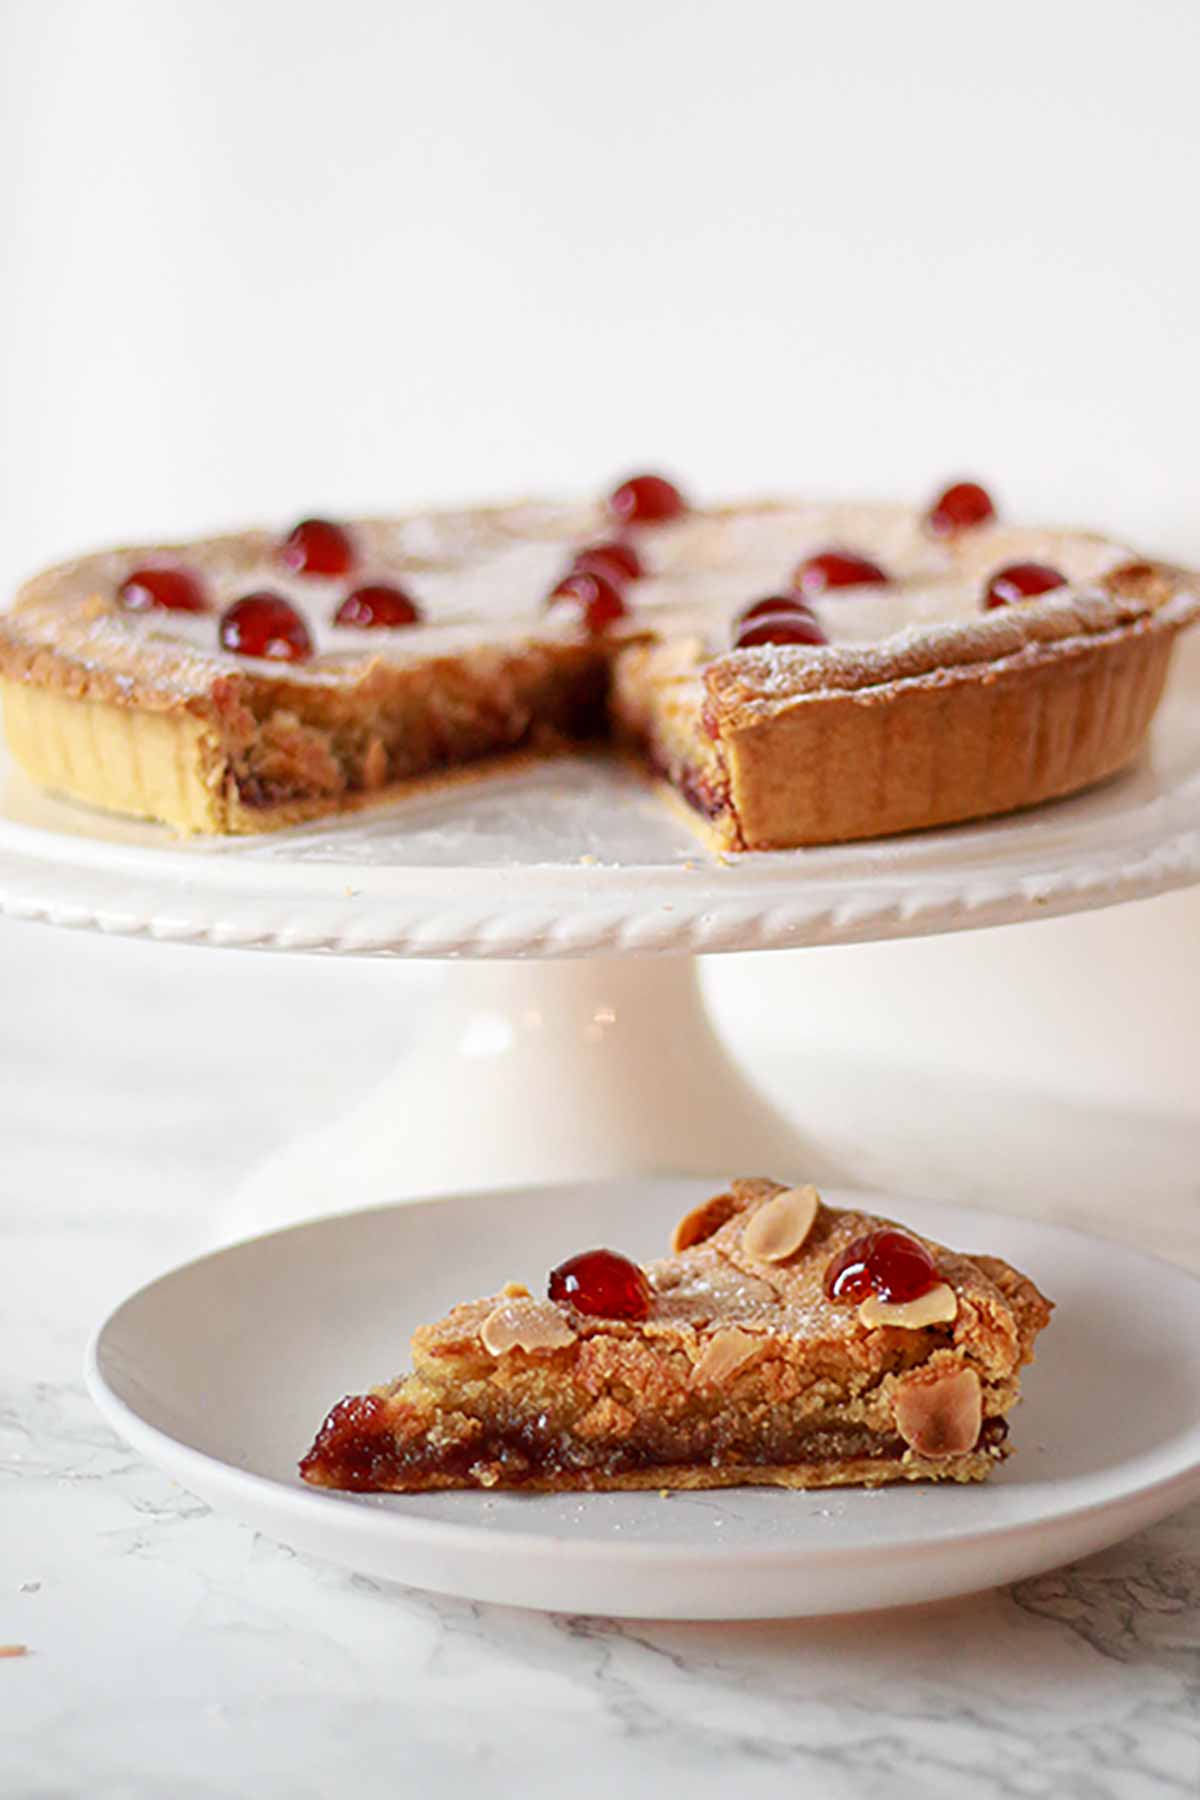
799 674
783 1342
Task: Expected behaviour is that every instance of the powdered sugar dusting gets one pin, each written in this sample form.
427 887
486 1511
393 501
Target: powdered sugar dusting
482 577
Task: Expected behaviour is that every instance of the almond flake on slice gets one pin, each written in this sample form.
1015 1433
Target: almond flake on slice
724 1354
938 1307
526 1324
702 1221
778 1229
942 1417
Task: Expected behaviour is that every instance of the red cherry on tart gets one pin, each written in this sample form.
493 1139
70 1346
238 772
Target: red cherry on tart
377 605
775 603
266 625
835 569
794 627
886 1262
616 561
604 1284
164 589
901 1268
318 547
962 507
848 1277
1021 581
595 601
646 500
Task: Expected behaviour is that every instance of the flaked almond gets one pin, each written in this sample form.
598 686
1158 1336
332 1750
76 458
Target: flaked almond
374 764
702 1221
724 1354
1149 582
938 1307
525 1324
942 1417
778 1229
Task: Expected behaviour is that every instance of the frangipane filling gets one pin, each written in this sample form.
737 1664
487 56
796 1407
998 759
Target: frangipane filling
783 1339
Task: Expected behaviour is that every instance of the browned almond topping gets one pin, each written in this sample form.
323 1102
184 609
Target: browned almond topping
526 1324
942 1417
1149 582
778 1229
724 1353
937 1307
702 1221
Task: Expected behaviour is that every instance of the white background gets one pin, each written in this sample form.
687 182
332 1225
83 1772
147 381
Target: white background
260 259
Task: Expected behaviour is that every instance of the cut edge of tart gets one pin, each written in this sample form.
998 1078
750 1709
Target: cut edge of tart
790 695
783 1342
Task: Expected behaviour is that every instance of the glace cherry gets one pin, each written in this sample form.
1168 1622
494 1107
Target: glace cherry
775 603
614 560
886 1262
964 506
1021 581
172 590
792 627
602 1283
835 569
594 599
377 604
646 500
318 547
265 624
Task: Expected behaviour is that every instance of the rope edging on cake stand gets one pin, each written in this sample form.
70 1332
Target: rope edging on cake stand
358 924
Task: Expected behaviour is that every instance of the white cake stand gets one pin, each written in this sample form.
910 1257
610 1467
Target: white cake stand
569 905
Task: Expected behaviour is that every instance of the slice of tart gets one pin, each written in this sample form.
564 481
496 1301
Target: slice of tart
783 1342
800 673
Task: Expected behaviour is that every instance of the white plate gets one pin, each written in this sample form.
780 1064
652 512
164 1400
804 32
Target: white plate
580 857
221 1372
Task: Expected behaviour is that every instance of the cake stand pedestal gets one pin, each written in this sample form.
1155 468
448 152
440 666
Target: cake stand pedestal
567 906
539 1071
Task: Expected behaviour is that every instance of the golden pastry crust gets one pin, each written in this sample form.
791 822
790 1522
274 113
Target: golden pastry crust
255 753
744 1370
964 721
776 747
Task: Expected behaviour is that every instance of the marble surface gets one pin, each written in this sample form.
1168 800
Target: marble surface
172 1652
